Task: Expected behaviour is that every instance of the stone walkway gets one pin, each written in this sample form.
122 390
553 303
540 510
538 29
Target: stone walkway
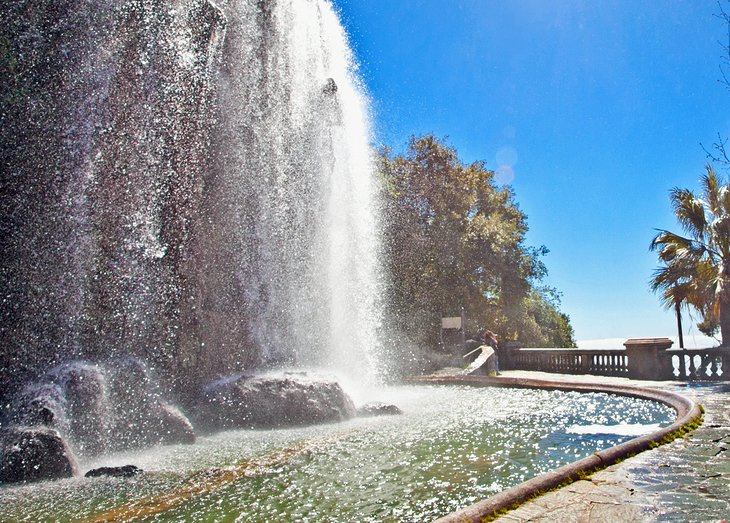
687 480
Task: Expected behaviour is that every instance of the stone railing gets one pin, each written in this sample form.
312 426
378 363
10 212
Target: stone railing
568 361
644 358
700 364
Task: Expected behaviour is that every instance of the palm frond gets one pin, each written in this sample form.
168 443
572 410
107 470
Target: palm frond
672 246
725 199
711 189
690 212
720 234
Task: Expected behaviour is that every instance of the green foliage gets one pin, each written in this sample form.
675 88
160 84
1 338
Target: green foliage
454 239
695 268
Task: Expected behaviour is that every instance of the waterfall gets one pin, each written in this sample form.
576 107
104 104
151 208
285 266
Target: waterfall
191 184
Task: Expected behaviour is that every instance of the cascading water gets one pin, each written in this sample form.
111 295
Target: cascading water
191 184
295 134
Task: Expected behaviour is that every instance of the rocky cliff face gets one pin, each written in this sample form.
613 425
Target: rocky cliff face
105 128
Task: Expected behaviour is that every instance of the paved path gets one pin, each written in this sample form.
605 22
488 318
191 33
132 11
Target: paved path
687 480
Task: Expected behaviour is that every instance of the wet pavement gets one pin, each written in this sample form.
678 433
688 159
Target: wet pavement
687 480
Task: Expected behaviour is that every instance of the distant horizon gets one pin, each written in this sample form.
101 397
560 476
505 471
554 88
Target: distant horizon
691 341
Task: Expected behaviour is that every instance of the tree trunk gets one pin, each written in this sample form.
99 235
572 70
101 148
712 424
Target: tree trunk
678 310
724 303
724 323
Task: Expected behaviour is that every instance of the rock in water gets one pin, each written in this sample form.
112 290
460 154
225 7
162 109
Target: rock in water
125 471
377 408
86 406
267 402
35 454
141 417
174 427
39 404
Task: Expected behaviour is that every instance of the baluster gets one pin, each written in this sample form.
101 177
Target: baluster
706 370
716 363
682 367
693 371
720 368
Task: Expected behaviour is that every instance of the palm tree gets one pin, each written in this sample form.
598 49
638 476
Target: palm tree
675 285
696 268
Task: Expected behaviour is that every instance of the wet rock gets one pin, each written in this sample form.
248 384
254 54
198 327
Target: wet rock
141 418
35 454
115 406
174 426
330 87
125 471
39 405
377 408
86 406
267 402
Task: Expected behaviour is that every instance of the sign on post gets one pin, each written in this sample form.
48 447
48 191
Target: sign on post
451 323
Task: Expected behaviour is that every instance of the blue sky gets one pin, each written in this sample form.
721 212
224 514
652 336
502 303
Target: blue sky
592 111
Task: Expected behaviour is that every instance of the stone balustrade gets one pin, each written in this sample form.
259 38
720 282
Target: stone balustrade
642 358
568 361
700 364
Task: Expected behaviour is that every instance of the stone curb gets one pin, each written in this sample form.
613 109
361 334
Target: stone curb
688 413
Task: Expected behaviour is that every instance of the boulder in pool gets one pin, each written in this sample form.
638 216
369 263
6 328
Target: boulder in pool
35 454
140 416
174 427
125 471
270 402
376 408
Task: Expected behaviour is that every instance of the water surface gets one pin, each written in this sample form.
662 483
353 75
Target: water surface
453 446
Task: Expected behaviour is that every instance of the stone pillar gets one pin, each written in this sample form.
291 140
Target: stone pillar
648 359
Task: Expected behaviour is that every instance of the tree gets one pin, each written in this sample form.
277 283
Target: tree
454 239
696 267
675 285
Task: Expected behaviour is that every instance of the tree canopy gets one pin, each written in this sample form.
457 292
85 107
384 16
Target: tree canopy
455 239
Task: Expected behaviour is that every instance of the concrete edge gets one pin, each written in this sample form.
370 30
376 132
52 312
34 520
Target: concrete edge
689 414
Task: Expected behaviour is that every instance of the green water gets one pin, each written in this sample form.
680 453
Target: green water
452 447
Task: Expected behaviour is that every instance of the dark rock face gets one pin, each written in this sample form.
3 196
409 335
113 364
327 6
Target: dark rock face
82 85
35 454
379 409
126 471
266 402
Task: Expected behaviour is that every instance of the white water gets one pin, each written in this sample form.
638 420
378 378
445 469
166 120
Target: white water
297 136
210 205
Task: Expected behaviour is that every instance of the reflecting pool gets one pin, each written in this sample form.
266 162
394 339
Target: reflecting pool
452 446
